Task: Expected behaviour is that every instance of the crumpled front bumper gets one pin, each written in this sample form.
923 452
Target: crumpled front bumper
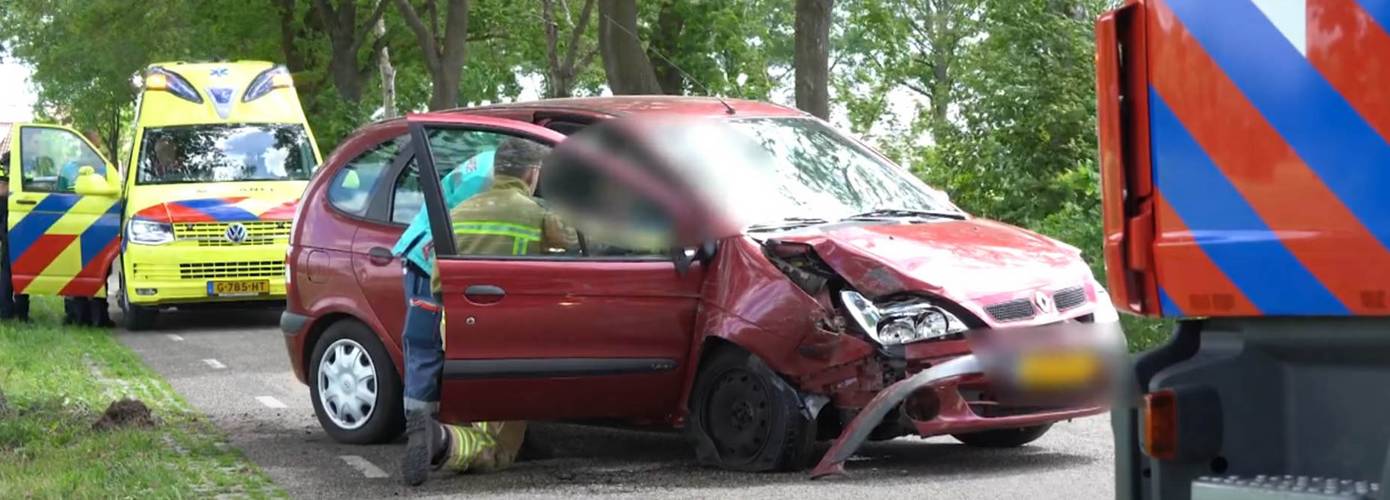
991 361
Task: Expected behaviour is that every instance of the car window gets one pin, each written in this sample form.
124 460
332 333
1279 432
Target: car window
612 218
51 157
407 200
487 184
351 188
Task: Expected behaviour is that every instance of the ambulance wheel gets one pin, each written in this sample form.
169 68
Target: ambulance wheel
138 318
133 317
744 417
354 386
1003 438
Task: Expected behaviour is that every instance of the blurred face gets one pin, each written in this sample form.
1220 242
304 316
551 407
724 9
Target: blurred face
165 152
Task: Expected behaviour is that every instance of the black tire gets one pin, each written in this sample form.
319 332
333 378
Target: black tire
134 318
1003 438
386 421
744 417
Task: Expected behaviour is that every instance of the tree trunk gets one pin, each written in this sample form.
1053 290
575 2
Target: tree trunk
388 73
812 57
443 58
345 40
342 66
666 41
624 61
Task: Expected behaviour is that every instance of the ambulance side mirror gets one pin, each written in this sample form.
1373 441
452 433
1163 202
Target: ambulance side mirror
88 183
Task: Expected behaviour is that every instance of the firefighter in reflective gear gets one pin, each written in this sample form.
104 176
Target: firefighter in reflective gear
504 220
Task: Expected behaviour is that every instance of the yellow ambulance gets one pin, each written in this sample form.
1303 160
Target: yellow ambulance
200 214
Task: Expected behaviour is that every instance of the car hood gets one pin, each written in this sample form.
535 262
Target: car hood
229 202
968 259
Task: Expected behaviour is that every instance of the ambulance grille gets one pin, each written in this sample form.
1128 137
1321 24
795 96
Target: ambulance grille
214 234
249 269
1013 310
1068 298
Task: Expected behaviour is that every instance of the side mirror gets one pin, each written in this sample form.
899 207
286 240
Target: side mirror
687 256
88 183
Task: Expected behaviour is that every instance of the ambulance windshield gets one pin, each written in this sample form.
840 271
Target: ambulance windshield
225 153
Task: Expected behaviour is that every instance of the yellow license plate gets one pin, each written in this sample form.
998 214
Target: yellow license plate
238 288
1057 370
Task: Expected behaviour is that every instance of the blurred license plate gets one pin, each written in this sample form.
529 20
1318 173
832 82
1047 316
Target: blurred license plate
1057 370
236 288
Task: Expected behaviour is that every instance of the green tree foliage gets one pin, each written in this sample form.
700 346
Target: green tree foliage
1003 89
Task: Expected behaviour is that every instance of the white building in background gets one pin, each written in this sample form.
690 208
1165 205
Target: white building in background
16 96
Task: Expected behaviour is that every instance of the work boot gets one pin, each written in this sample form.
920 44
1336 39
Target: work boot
425 444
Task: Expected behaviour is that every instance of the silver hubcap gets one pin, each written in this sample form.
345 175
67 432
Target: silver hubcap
347 384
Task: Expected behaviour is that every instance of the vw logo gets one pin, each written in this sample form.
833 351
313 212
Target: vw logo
1043 302
236 232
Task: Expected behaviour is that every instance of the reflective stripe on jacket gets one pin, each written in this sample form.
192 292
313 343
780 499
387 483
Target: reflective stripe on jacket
507 221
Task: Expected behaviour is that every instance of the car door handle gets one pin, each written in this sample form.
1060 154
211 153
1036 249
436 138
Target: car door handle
27 202
484 294
379 256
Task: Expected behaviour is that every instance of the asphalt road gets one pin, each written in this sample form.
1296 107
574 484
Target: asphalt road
232 366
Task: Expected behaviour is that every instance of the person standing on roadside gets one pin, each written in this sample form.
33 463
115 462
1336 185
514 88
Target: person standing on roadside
12 305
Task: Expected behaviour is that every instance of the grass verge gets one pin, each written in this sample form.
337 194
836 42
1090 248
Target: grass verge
58 380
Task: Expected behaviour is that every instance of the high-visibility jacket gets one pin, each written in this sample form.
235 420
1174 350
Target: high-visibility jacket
507 220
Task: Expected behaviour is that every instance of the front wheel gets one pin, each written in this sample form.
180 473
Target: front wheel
744 417
354 387
1003 438
133 317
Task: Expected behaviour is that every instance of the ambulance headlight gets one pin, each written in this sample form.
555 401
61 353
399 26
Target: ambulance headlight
149 233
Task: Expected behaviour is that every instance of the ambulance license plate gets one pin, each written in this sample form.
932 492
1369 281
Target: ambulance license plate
1058 370
238 288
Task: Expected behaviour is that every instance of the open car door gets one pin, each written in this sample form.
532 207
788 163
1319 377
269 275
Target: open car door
543 330
64 213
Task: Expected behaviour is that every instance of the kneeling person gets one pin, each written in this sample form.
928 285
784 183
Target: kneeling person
506 219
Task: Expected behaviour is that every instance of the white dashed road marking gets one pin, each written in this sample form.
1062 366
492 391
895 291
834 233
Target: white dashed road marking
175 338
214 364
270 402
367 468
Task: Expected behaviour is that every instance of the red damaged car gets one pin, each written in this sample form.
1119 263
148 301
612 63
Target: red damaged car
830 293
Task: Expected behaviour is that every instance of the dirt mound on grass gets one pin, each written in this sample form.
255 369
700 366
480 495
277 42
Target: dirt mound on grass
125 413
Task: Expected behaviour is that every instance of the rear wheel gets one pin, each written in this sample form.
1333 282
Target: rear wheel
745 417
1003 438
354 386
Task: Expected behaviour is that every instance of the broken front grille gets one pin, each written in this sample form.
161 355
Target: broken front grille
214 234
1013 310
1068 298
249 269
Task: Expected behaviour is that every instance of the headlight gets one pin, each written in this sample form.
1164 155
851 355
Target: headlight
149 233
1105 310
902 322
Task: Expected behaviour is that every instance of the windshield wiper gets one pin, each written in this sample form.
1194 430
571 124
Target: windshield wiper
907 212
788 222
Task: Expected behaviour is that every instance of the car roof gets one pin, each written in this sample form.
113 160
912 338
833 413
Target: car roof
603 107
639 104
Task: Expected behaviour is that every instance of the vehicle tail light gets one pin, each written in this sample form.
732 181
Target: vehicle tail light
1161 424
173 83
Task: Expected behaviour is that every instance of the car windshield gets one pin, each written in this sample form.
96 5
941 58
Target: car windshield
225 153
768 170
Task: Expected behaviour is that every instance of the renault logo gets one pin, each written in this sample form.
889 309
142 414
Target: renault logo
1043 302
236 233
